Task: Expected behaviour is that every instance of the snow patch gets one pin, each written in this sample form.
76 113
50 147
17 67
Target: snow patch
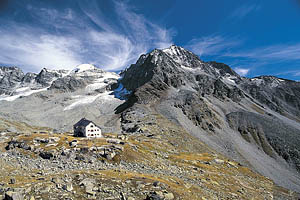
229 79
22 89
83 67
26 91
83 100
101 82
188 68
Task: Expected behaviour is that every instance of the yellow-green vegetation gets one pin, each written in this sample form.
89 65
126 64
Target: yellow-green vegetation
21 126
185 167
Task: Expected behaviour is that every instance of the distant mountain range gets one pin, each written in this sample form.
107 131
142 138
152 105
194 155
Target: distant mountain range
255 121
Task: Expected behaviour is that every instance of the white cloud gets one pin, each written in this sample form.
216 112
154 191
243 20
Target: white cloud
242 71
211 45
36 51
142 30
65 38
272 52
244 10
115 50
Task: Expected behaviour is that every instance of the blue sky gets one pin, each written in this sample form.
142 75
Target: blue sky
254 37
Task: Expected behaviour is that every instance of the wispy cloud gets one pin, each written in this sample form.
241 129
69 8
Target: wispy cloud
244 10
230 47
37 51
282 52
247 61
65 38
212 45
242 71
294 73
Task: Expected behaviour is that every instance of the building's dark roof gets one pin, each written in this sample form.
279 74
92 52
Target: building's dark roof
83 122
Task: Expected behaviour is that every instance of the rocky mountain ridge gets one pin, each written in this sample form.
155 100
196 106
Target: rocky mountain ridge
253 121
208 98
14 81
42 97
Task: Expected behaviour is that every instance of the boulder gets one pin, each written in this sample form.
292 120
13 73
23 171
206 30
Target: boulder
87 181
155 196
12 181
114 141
73 143
13 196
169 196
110 151
88 184
46 155
68 187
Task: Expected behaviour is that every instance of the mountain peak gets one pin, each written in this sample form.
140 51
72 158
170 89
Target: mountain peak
83 67
173 49
179 54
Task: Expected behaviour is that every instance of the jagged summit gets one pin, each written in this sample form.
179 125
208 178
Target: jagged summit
175 67
175 50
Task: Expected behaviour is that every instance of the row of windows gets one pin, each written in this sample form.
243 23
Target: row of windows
94 130
92 135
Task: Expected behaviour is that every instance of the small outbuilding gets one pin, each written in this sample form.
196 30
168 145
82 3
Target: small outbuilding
86 128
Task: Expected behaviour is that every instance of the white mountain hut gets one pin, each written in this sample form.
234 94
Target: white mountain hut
86 128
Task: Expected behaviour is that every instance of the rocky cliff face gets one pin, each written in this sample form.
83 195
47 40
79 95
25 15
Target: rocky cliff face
9 77
177 68
232 114
280 95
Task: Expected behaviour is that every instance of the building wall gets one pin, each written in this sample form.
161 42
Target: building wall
79 131
92 130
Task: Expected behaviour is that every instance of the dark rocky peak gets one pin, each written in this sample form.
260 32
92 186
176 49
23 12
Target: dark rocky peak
11 71
175 66
142 59
168 67
223 69
67 84
4 68
182 59
183 56
46 76
175 54
10 77
29 77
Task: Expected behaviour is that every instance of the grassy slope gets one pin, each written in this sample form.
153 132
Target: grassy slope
204 174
